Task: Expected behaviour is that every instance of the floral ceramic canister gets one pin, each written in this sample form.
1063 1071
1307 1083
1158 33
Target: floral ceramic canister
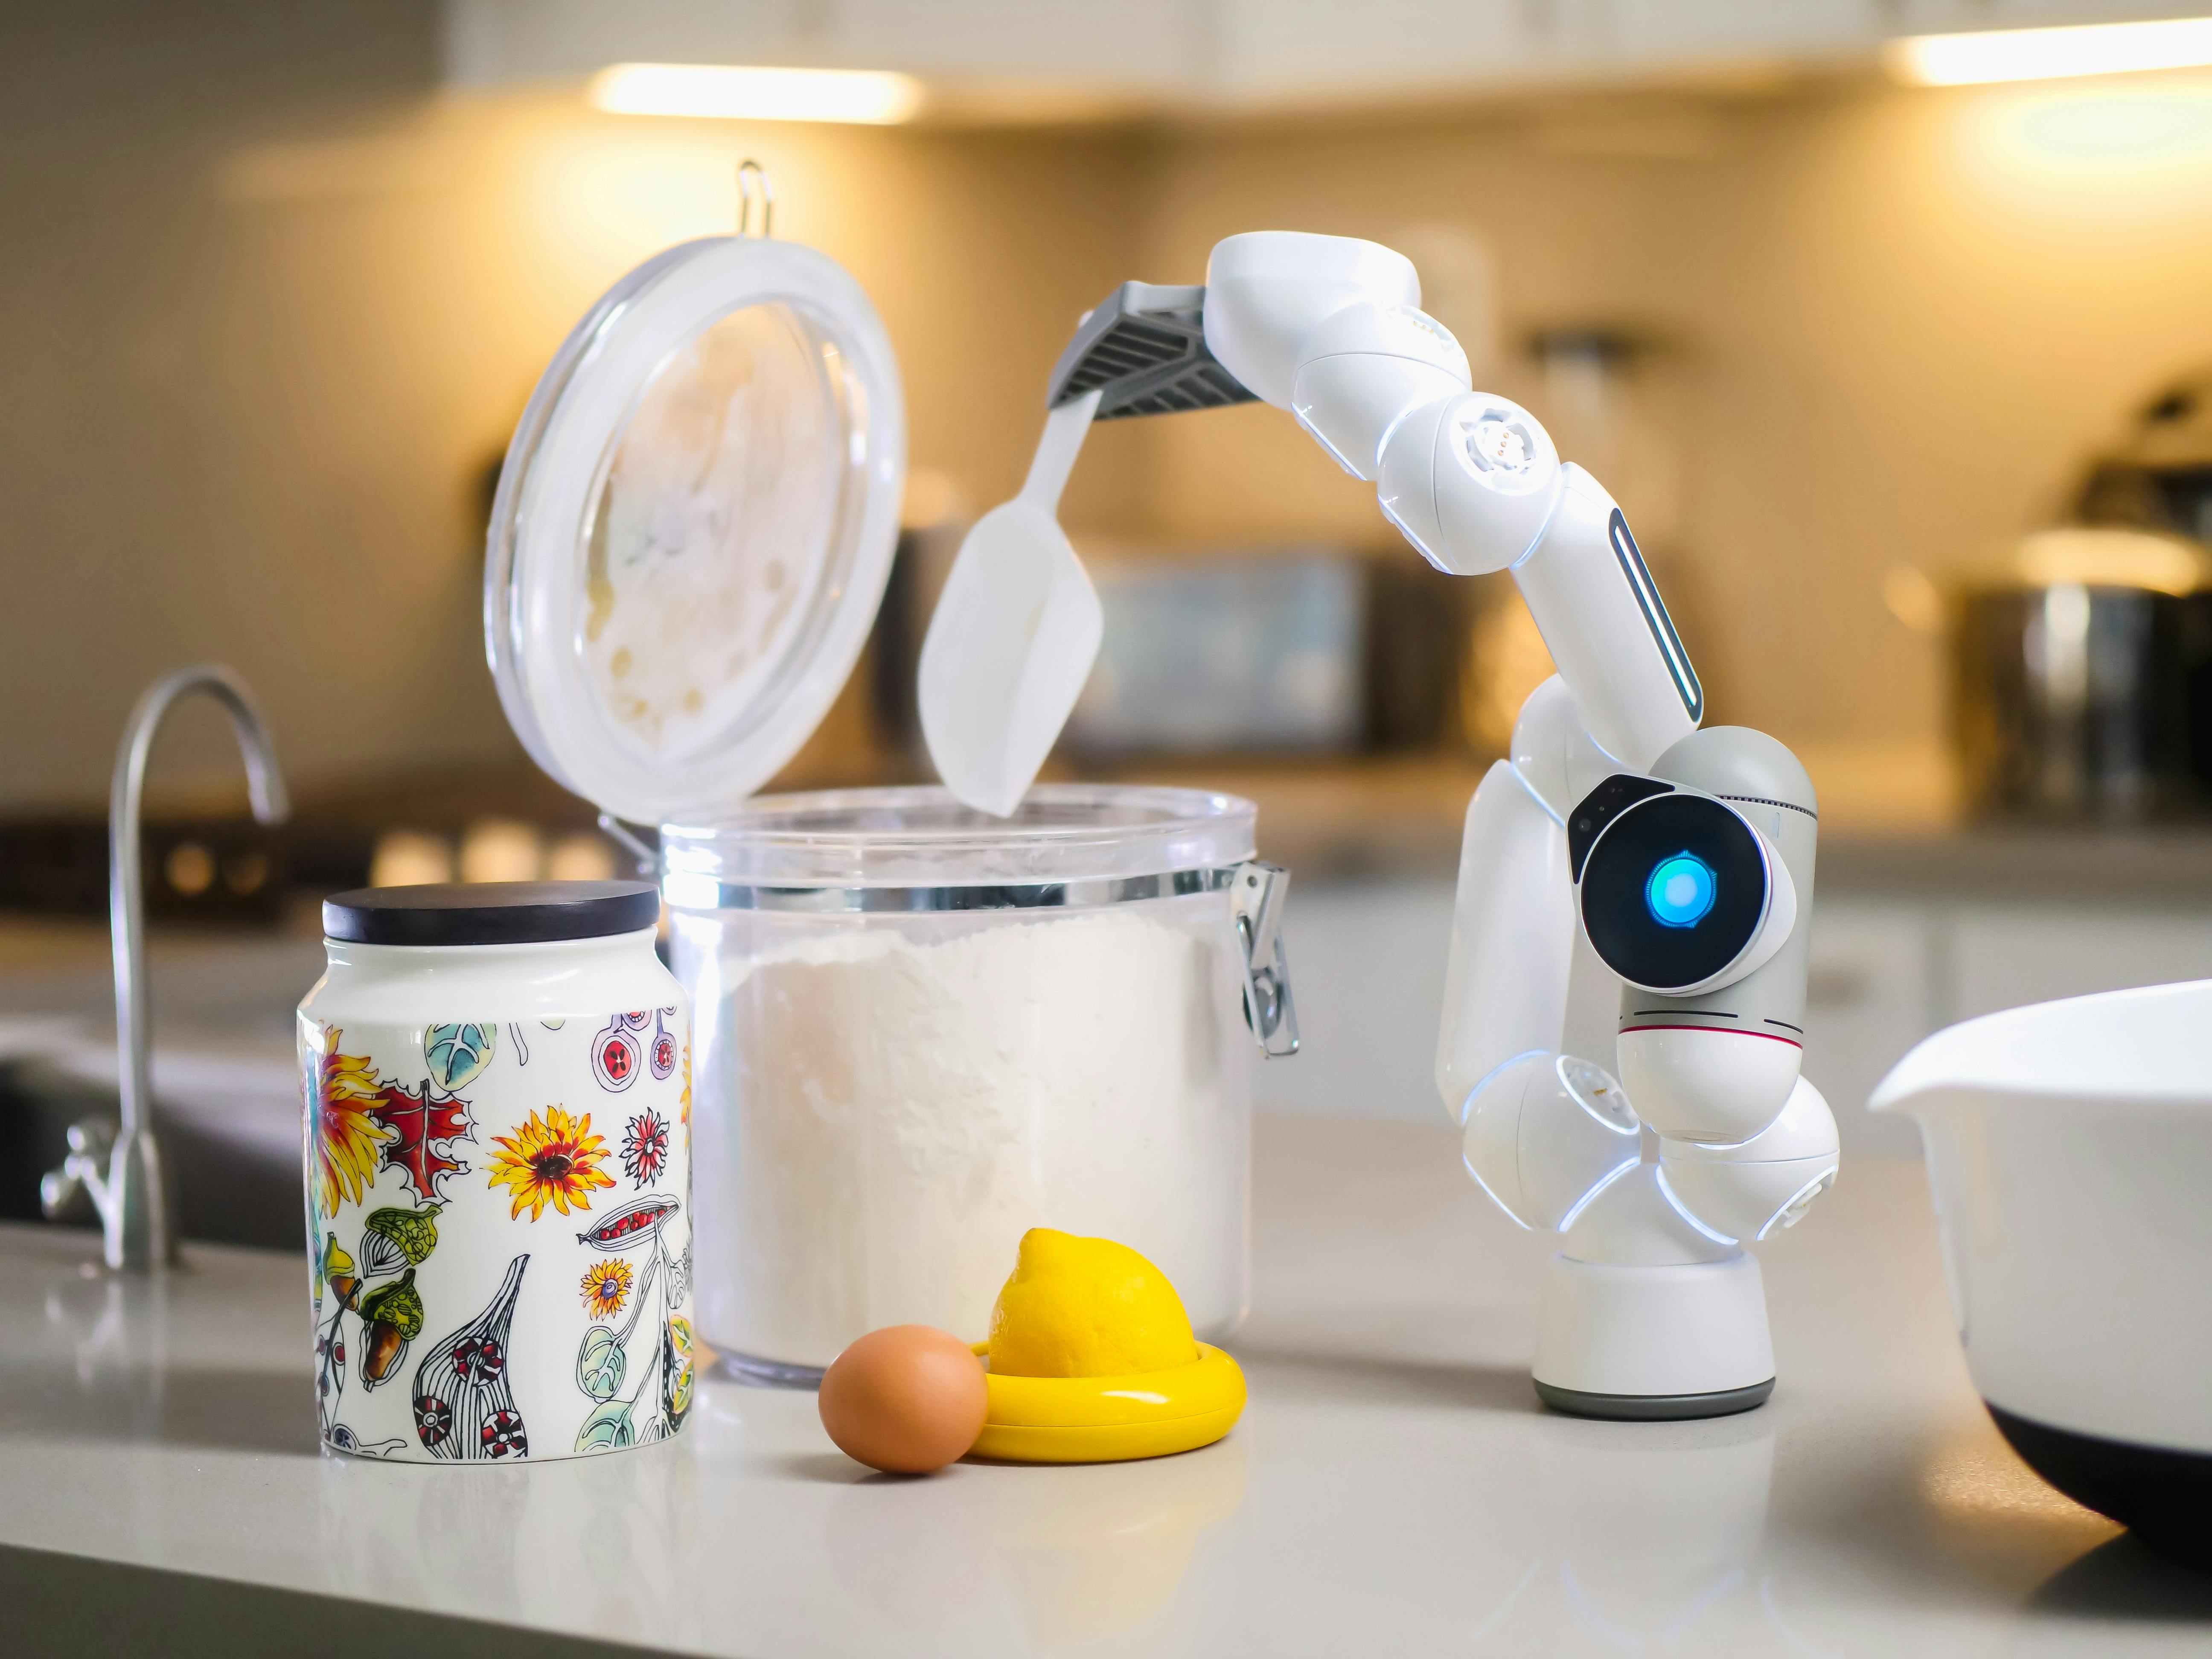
498 1094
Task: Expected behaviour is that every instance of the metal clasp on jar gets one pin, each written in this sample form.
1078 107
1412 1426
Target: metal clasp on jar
1256 892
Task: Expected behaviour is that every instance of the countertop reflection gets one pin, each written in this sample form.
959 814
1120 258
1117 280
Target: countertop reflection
1393 1487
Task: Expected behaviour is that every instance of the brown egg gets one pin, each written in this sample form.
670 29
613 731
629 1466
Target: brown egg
906 1399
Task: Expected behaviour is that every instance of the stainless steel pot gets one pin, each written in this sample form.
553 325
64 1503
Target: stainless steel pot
2071 700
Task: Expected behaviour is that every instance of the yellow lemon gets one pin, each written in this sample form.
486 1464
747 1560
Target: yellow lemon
1086 1307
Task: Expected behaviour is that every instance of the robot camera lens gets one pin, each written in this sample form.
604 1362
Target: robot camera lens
1682 891
1673 890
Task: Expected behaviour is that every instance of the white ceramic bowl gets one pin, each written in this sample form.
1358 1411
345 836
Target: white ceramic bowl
2069 1149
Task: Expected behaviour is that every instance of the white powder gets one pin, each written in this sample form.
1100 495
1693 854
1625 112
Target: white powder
888 1103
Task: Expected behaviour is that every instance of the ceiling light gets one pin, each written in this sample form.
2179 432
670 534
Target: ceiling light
728 91
1953 60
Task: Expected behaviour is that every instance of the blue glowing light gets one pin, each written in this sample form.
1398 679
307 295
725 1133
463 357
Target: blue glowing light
1680 891
1568 1220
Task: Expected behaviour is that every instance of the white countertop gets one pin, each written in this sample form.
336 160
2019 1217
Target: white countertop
1392 1488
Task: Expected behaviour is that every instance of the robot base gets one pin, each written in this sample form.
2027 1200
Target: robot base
1683 1340
1653 1407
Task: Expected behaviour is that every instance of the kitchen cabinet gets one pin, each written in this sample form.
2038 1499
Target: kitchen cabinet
1886 972
1367 967
1871 992
1891 962
1195 56
1907 938
2000 958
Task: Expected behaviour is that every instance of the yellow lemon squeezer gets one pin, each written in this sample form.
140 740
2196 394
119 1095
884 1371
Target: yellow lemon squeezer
1091 1360
1104 1419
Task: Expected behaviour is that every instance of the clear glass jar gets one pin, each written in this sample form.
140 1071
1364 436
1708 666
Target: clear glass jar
923 1030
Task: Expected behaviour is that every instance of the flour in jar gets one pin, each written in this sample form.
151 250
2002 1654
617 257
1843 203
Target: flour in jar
909 1094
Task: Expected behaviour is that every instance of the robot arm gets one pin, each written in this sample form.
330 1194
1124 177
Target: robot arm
1685 856
1326 328
1513 886
1554 914
1629 885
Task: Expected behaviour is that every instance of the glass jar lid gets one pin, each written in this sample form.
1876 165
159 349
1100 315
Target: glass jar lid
490 913
694 526
923 837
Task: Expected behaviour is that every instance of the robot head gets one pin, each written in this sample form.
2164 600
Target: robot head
1678 892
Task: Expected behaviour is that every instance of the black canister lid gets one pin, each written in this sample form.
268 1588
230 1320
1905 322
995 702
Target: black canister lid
490 913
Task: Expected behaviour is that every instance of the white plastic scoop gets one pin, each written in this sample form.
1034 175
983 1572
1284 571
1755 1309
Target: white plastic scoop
1014 636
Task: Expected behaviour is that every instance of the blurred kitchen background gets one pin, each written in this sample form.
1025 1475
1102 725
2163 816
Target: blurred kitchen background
1906 387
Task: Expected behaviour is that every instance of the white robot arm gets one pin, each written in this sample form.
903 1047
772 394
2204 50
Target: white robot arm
1629 886
1327 327
1683 858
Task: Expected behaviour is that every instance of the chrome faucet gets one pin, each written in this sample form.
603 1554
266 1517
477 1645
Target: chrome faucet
121 1167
